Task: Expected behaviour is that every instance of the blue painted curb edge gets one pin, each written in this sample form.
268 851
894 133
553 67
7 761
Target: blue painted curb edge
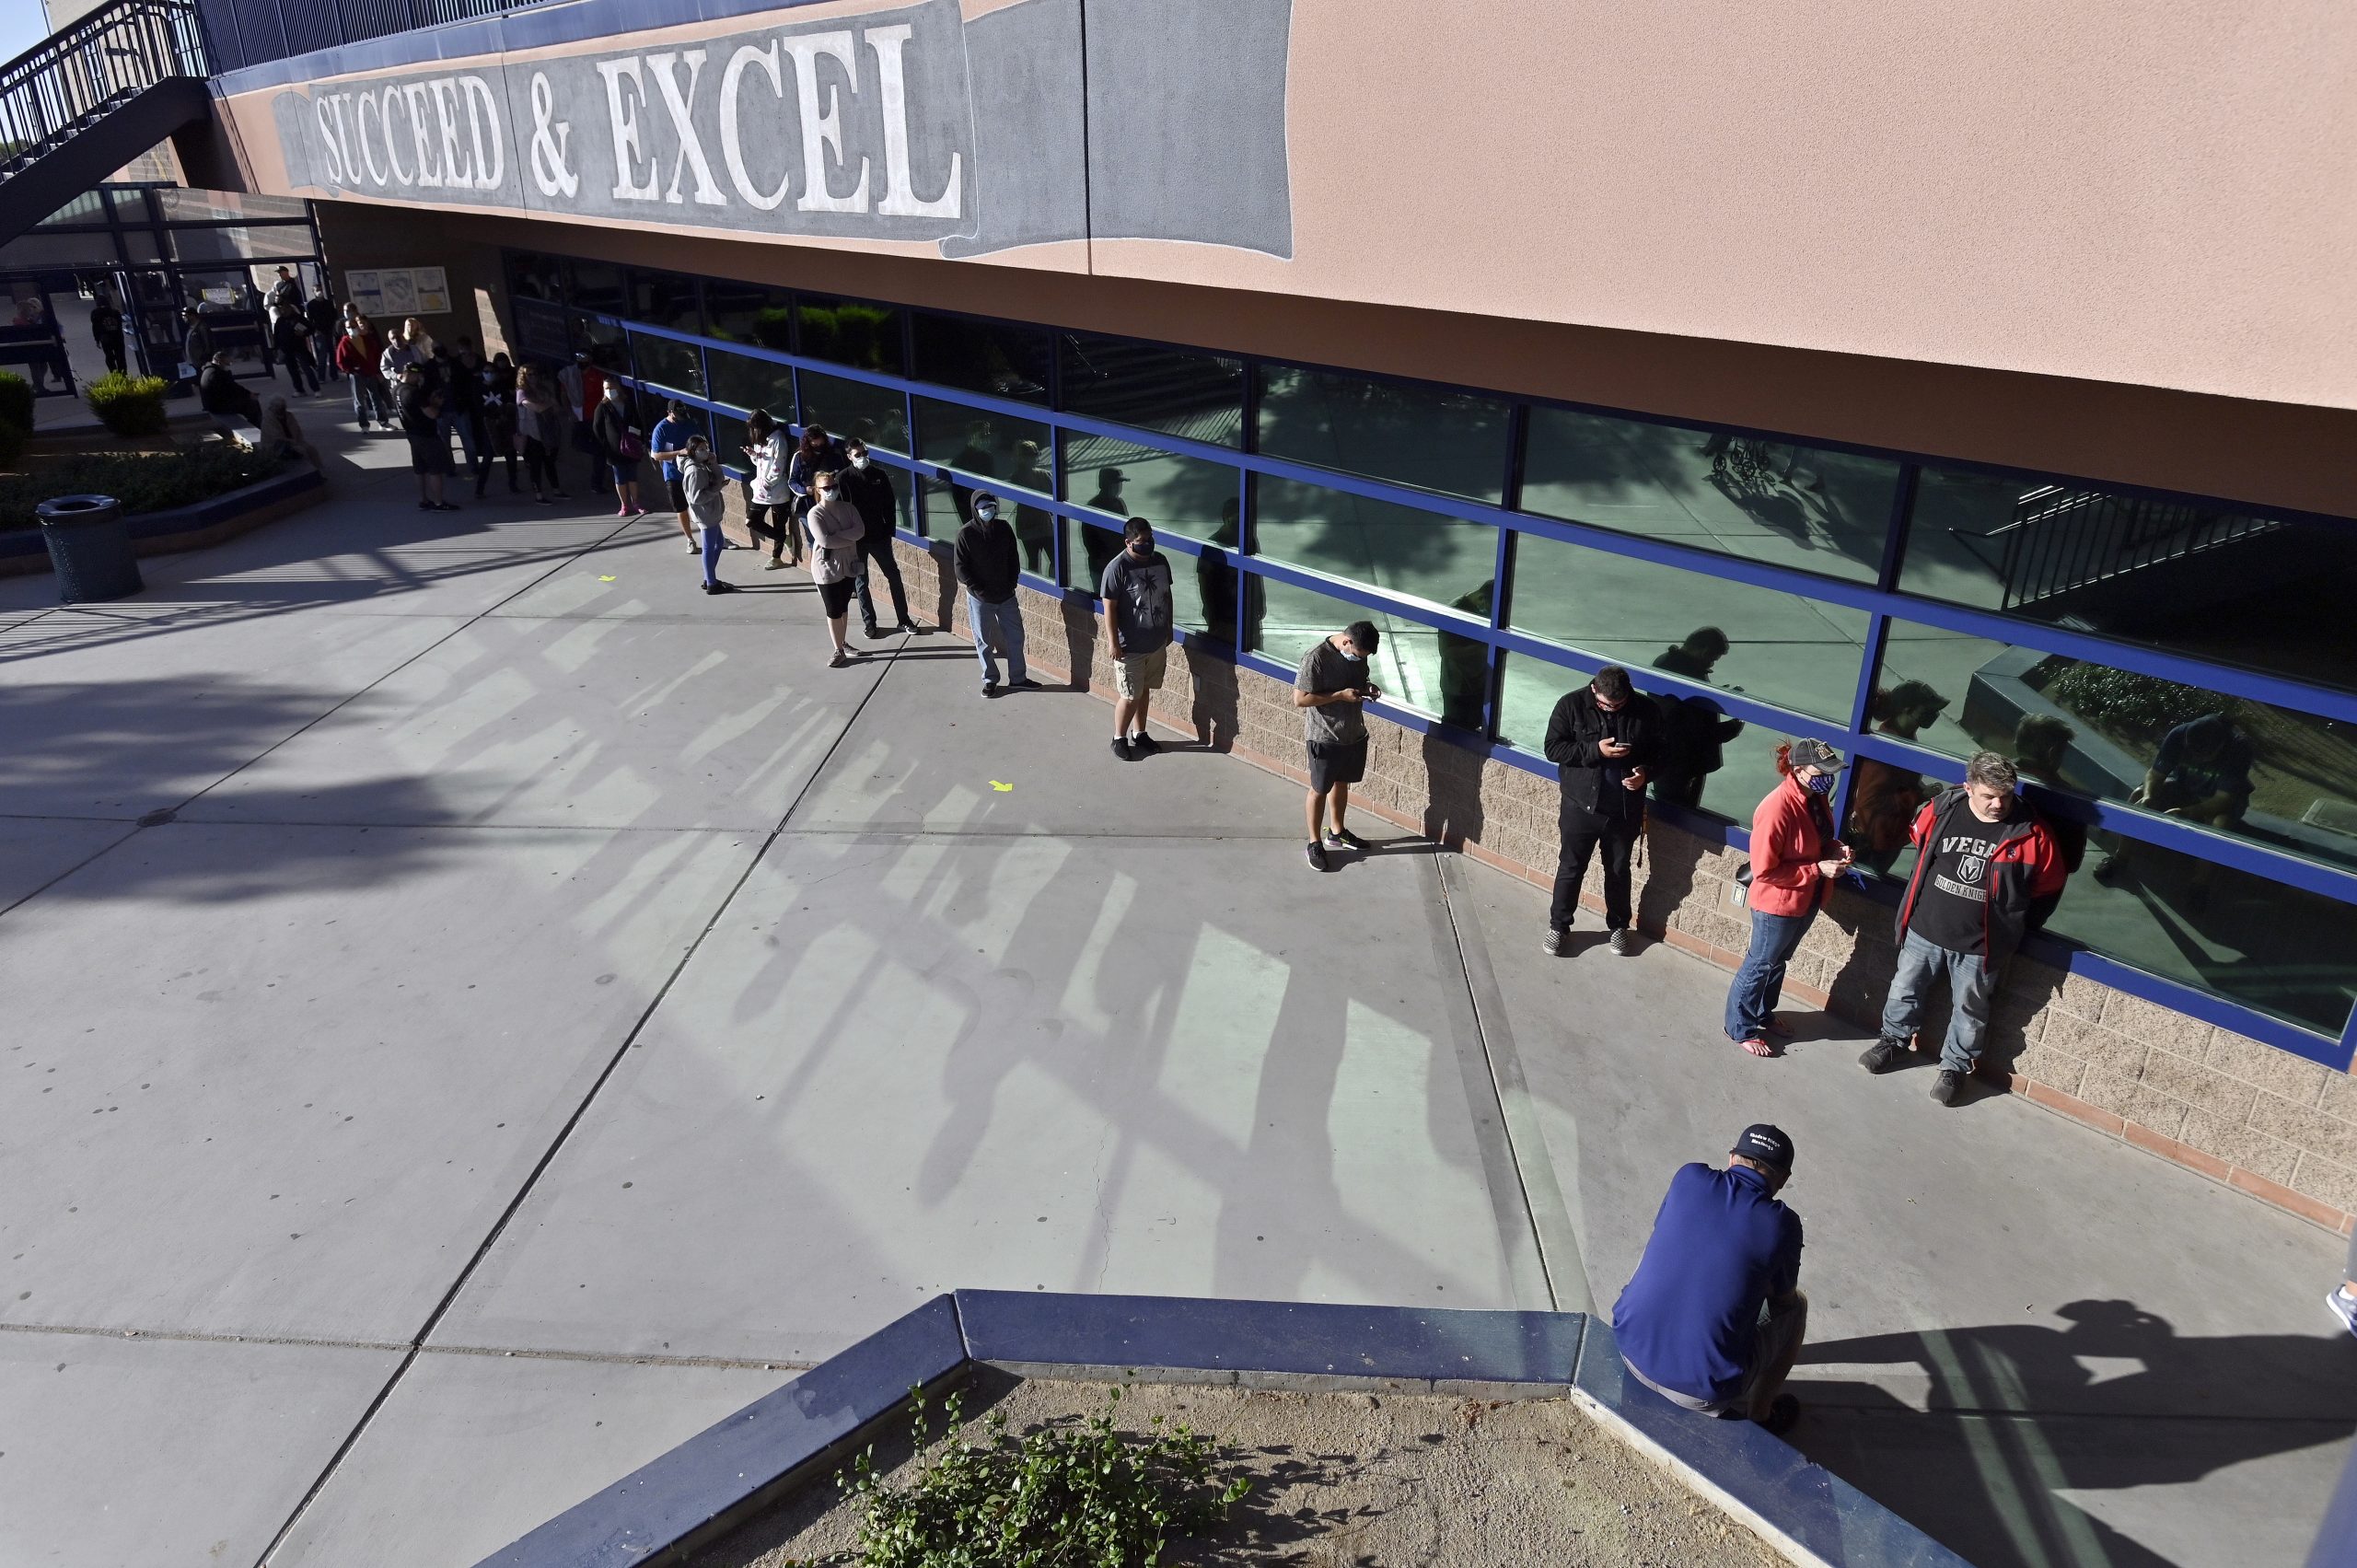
722 1477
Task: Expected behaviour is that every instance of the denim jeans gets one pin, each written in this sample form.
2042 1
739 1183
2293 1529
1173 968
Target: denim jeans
1970 985
372 399
1759 982
714 540
880 557
453 422
1002 624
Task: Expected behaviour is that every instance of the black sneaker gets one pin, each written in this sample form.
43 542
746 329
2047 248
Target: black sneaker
990 688
1624 942
1880 1056
1314 852
1142 744
871 633
1343 838
1784 1411
1023 682
1950 1084
1121 750
724 587
1553 946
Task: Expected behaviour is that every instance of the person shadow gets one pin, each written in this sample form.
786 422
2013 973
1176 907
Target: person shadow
2017 1415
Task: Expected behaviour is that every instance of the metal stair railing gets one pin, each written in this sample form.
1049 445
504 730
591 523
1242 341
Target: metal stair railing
85 68
2062 540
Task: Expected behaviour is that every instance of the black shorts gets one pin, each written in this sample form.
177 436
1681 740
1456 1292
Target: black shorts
677 492
836 597
429 453
1335 762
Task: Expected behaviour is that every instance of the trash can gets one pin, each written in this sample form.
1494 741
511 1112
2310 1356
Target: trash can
89 547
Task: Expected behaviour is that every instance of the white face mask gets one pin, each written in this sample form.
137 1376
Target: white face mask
860 462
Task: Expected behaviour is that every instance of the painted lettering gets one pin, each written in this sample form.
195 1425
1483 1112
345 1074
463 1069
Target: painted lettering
388 98
445 121
482 109
732 146
550 171
341 108
622 110
334 170
690 154
822 128
899 190
416 95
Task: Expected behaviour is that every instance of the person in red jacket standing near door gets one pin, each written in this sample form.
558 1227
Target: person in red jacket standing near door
1794 858
1988 871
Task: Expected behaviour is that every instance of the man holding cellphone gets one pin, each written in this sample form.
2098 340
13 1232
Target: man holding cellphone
1601 739
1331 688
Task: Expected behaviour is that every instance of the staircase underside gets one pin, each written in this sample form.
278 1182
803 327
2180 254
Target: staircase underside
84 157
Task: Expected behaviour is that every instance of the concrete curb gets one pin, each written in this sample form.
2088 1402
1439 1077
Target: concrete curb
797 1434
224 516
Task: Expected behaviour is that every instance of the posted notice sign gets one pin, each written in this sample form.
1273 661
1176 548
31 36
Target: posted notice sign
398 291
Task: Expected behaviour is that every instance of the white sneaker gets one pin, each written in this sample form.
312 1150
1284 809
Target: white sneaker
2342 1308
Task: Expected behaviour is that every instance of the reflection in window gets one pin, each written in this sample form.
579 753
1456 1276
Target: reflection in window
1288 620
1012 453
750 383
668 363
1452 442
1200 396
594 286
2285 778
852 332
1088 550
1380 545
1797 506
2206 581
1181 495
533 277
750 313
1714 765
875 414
1778 647
728 442
982 356
664 299
605 344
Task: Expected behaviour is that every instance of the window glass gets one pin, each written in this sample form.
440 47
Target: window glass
594 286
729 443
1012 451
875 414
982 356
852 332
2208 581
2282 777
238 244
531 275
1187 496
1715 764
1379 544
664 299
540 331
1406 664
1200 396
750 383
1452 442
604 342
1777 647
1790 505
1088 550
750 313
2277 950
668 363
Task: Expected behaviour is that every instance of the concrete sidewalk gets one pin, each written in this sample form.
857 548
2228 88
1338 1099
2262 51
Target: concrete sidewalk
544 1005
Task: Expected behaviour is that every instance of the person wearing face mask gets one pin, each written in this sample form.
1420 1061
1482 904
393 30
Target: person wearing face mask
987 570
1601 739
1988 871
1794 858
869 488
705 489
833 528
1331 689
1138 619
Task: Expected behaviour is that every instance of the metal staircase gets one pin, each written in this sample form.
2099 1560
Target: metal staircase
92 97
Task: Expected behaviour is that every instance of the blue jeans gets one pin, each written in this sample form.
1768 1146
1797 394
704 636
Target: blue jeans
1970 985
714 541
1002 624
371 399
1759 982
453 420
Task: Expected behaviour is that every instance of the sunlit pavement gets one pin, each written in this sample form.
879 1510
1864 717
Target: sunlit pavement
543 1006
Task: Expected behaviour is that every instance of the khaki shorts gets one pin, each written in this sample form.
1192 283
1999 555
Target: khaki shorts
1133 678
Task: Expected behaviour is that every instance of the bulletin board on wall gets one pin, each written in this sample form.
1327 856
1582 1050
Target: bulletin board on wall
398 291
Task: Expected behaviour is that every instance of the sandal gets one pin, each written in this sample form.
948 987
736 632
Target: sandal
1757 1046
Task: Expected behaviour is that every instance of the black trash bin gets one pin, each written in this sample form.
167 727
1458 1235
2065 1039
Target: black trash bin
89 547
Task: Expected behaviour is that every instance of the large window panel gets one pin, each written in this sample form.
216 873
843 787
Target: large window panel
1200 396
1726 774
845 407
750 313
750 383
667 362
1789 506
1781 648
1287 621
1378 544
1182 496
982 356
664 299
1088 550
1012 454
594 286
534 277
606 346
2270 775
852 331
1452 442
2209 581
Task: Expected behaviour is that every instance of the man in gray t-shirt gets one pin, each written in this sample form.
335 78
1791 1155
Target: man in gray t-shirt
1331 688
1136 591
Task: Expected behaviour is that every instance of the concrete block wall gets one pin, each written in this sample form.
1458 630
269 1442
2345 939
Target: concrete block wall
2239 1112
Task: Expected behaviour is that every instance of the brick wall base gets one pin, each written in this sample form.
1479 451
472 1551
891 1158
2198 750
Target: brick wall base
2266 1122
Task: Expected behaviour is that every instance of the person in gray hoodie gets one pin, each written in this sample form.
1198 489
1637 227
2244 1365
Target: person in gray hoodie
706 490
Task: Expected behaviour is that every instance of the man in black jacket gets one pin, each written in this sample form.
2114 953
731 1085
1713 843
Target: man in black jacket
869 489
988 566
1601 739
223 396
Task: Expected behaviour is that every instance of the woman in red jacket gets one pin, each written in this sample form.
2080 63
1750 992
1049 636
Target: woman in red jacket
1794 857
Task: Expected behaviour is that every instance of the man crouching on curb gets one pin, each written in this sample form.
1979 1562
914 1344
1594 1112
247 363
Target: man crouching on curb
1713 1318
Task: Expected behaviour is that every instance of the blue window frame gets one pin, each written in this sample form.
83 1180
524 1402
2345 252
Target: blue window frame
1765 589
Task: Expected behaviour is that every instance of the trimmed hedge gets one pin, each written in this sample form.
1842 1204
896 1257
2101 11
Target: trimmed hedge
142 482
129 405
16 400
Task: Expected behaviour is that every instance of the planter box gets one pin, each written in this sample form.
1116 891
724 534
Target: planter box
185 528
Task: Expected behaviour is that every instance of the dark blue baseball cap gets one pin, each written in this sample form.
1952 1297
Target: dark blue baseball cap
1768 1144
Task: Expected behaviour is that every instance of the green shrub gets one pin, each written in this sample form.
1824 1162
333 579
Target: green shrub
142 482
12 443
2136 704
129 405
16 400
1086 1498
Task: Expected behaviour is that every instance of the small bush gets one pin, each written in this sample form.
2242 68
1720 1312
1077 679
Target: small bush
16 400
1089 1498
12 443
142 482
2136 704
129 405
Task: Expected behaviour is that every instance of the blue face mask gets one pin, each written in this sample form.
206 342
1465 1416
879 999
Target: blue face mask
1353 658
988 514
1821 785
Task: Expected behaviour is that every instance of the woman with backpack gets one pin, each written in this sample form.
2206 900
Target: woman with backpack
1794 858
835 529
624 445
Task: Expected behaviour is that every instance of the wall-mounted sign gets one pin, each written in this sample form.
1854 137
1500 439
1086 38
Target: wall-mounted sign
398 291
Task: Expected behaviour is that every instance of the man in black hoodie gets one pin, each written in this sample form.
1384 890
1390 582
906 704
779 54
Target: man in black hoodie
1601 739
869 488
988 566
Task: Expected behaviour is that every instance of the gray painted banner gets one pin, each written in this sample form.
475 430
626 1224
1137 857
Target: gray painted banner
901 124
